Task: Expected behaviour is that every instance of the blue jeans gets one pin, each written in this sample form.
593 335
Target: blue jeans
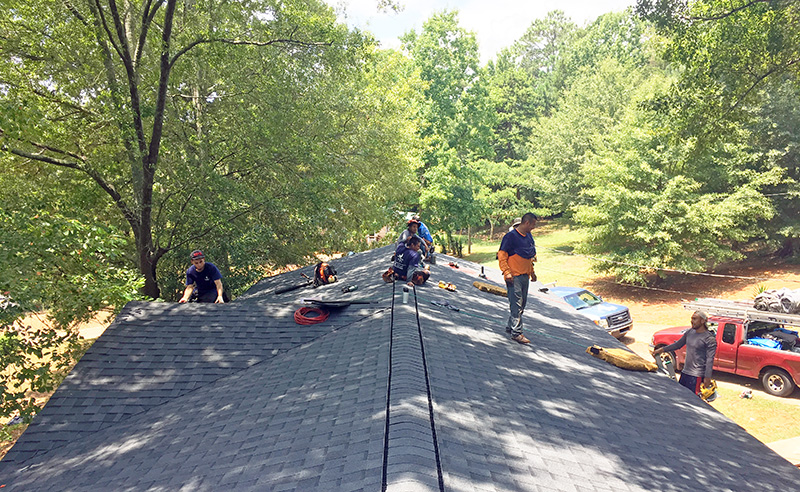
517 299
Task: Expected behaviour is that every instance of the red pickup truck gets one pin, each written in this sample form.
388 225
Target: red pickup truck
778 370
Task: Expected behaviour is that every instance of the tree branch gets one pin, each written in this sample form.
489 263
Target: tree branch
52 98
147 20
99 10
96 176
163 81
729 13
58 151
250 43
760 79
75 12
130 70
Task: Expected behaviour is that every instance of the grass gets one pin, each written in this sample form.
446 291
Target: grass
766 419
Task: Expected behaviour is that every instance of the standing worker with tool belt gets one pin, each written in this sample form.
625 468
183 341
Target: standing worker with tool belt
701 346
516 256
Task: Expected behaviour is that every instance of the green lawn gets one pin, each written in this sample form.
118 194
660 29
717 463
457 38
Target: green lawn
766 419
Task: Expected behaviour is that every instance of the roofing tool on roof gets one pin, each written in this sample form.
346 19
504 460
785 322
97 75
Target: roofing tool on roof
447 285
445 304
289 288
622 358
337 303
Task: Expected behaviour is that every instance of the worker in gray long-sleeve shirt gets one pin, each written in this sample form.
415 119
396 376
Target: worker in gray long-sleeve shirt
701 345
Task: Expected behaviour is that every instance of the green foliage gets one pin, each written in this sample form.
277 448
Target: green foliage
668 207
517 103
540 53
34 360
49 261
455 123
450 196
738 86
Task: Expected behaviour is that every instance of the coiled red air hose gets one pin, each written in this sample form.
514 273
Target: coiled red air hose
301 316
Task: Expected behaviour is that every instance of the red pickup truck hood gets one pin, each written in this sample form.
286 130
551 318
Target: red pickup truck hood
669 335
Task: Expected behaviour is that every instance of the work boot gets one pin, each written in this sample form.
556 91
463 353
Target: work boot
520 339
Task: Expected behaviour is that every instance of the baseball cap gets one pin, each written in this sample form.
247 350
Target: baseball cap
197 255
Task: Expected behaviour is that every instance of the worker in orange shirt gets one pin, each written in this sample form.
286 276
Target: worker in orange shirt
516 256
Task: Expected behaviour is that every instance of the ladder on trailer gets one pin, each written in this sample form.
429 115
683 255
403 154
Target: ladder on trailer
741 310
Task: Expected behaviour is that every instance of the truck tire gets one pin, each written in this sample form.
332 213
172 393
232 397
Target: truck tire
777 382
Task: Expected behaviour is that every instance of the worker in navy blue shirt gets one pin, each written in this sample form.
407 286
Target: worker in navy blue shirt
413 230
406 258
516 256
203 279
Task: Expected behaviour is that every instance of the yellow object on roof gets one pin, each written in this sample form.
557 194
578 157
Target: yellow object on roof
622 358
490 288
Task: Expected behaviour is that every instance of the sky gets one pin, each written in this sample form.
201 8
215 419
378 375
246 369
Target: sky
496 23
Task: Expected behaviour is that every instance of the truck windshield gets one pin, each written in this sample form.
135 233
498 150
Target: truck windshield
582 299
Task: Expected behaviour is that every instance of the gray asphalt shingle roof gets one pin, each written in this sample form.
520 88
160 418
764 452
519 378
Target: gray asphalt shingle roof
402 396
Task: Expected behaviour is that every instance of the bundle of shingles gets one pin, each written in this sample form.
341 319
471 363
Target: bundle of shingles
778 301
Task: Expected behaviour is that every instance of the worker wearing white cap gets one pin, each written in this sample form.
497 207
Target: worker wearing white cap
701 345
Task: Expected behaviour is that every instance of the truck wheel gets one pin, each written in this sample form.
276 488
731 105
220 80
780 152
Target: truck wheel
777 382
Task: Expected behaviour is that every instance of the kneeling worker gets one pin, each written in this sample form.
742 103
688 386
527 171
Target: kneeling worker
406 259
205 278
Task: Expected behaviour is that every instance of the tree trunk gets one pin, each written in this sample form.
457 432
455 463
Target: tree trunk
469 240
147 266
491 229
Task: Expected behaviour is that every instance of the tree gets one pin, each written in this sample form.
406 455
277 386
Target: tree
540 52
53 58
654 203
456 121
516 103
737 59
561 144
183 130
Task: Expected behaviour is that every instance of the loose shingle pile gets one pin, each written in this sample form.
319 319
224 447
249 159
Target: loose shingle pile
383 395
